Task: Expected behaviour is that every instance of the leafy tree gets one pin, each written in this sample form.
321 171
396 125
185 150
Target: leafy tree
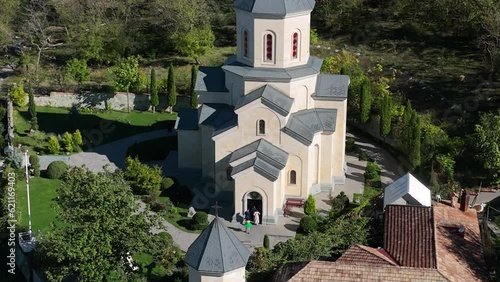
485 144
68 141
100 224
77 140
18 96
142 178
310 206
365 101
154 99
53 145
195 43
171 92
338 15
386 116
193 97
125 74
414 149
78 70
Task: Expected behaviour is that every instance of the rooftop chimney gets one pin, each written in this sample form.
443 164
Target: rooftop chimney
464 201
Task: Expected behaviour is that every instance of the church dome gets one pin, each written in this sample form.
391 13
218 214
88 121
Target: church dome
275 7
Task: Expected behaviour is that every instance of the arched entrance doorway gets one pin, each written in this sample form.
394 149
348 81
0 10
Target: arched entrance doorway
254 200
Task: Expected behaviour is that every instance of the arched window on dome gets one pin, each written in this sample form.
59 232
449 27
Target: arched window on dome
245 43
295 45
293 177
268 47
261 127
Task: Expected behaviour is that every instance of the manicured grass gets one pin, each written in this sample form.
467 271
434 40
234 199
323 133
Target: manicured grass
179 220
42 193
99 128
153 150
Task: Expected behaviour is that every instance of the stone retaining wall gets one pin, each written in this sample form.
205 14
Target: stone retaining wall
115 101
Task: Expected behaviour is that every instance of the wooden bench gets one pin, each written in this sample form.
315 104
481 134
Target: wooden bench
292 202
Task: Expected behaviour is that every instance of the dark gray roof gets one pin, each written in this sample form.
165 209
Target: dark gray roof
304 124
271 97
274 7
249 73
268 162
331 87
187 119
220 116
211 79
217 250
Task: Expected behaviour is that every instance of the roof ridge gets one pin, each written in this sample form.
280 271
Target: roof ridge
204 247
320 122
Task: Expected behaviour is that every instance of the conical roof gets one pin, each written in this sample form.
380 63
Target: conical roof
217 250
275 7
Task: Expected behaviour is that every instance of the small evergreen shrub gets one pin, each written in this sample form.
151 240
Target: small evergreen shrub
307 225
199 221
166 183
310 206
350 146
362 156
56 169
266 241
339 203
35 164
372 175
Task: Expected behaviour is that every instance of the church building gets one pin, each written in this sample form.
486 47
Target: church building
269 126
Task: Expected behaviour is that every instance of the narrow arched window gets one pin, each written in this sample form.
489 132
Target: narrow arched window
261 130
295 45
293 177
268 47
245 43
229 170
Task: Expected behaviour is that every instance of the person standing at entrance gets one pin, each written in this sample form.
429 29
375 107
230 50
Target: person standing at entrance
252 211
256 217
247 215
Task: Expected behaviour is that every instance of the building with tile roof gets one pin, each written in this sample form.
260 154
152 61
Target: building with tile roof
217 255
268 125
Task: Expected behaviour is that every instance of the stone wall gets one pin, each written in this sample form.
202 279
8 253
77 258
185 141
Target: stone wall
115 101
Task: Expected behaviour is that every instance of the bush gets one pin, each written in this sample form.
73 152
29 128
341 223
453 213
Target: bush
199 220
307 225
34 160
362 156
53 146
165 236
158 207
56 169
310 206
350 146
372 175
266 241
166 183
338 205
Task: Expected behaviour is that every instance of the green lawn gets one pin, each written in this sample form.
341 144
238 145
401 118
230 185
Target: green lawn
100 128
153 150
179 220
42 191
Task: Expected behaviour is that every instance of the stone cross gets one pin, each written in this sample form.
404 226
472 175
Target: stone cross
216 207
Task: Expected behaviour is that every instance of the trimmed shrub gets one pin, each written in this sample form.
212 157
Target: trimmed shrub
266 241
35 164
350 146
56 169
199 220
339 203
310 206
158 207
165 236
362 155
166 183
307 225
372 175
53 145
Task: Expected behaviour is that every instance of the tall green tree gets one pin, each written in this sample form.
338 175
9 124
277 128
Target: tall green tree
100 224
142 178
310 206
414 133
18 96
32 109
171 91
485 144
154 99
78 70
193 96
125 74
404 130
195 43
366 101
386 116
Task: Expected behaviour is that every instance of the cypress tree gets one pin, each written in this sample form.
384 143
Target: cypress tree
192 94
32 109
171 94
154 99
266 242
414 132
366 101
386 116
404 133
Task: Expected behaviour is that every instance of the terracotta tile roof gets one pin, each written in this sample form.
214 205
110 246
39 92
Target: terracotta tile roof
316 271
459 259
360 254
409 235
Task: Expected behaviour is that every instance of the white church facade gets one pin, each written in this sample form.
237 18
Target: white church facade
268 126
